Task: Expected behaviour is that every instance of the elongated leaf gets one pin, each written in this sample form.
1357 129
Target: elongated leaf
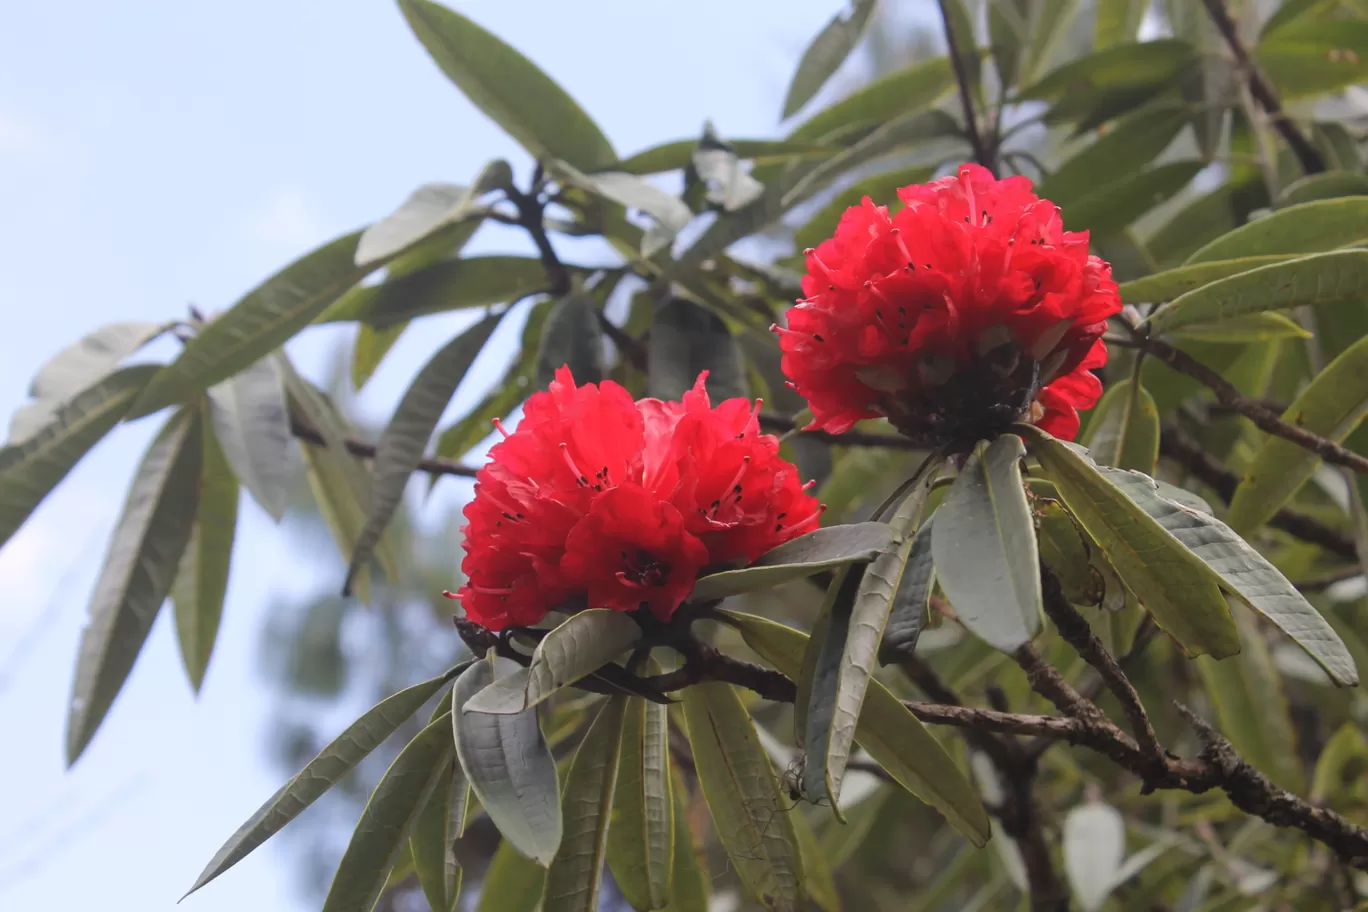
257 324
1064 550
579 647
672 156
509 88
1305 228
1114 207
389 815
1265 326
641 848
818 882
1169 580
825 55
1332 405
428 210
743 795
691 889
1094 848
1117 21
202 578
428 838
1310 57
1340 764
572 338
252 423
1008 29
415 418
985 550
1330 185
822 549
513 882
371 347
1124 430
509 767
894 737
1129 146
686 340
1325 278
572 881
908 616
1167 285
1049 29
670 212
144 552
913 88
475 281
323 772
880 187
1251 709
33 468
1242 571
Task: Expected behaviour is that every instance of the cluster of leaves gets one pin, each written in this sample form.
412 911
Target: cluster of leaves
583 760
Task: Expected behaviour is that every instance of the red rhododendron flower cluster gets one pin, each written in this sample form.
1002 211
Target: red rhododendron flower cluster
619 504
967 310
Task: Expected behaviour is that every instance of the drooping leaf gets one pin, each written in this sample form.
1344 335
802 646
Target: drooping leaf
1048 30
572 881
691 888
202 578
641 848
894 738
910 602
144 553
402 445
509 766
1306 228
323 772
371 347
1324 278
1265 326
512 882
33 468
252 423
1330 185
825 54
985 550
818 882
572 338
1094 849
1332 405
257 324
1124 430
428 841
1064 550
1168 579
1130 145
819 550
394 806
913 88
579 647
1167 285
451 284
672 156
1094 87
743 795
1008 31
686 340
1114 206
509 88
428 210
670 213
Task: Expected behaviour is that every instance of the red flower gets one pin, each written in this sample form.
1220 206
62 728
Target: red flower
968 309
619 504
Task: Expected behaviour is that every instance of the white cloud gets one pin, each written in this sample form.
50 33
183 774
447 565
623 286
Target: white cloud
287 219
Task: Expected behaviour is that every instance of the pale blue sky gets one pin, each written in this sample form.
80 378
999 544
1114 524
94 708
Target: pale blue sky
156 153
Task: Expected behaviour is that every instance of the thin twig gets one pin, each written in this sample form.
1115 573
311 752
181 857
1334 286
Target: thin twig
982 154
1262 90
782 424
433 465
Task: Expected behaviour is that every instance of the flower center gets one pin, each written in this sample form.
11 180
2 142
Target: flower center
641 570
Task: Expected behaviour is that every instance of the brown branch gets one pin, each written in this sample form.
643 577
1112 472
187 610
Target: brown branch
982 154
1262 90
1255 411
782 424
433 465
704 663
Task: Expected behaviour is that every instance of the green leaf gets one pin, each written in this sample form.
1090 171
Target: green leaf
402 444
390 813
1116 22
1341 764
743 795
1330 185
509 766
881 188
1128 73
718 168
672 156
1008 30
641 840
1049 21
459 439
1094 848
577 648
1305 228
1251 709
1168 579
1332 405
1265 326
691 889
818 882
512 883
814 552
825 55
894 737
323 772
509 88
432 841
1124 431
1324 278
1169 284
910 603
1064 550
257 324
1115 206
429 209
670 213
572 338
202 578
252 422
913 88
28 471
985 550
371 347
1309 57
144 552
572 881
446 285
1129 146
686 340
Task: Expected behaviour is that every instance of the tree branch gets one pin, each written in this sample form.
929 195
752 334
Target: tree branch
783 424
433 465
982 154
1262 90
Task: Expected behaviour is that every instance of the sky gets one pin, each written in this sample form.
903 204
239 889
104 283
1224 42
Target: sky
157 154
